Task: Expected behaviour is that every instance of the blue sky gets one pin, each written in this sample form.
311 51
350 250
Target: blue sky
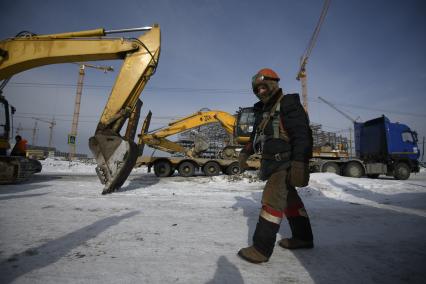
369 59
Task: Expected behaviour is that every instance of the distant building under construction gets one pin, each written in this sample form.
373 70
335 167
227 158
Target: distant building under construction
218 138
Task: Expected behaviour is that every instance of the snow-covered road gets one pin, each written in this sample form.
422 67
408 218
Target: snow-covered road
58 228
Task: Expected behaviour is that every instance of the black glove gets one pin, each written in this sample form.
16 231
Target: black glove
299 174
242 161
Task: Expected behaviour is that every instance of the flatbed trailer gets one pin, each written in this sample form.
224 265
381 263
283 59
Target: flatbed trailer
186 167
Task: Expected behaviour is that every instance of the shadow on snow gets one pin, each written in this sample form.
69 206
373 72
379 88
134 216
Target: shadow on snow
50 252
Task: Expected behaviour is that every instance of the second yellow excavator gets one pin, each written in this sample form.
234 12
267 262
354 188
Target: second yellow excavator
157 139
239 134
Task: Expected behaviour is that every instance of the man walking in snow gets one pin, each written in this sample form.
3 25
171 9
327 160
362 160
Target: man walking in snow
281 134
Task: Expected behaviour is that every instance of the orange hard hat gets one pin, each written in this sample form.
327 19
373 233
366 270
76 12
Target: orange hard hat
266 77
268 74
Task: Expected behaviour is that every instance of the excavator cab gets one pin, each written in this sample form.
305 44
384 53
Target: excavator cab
244 124
12 169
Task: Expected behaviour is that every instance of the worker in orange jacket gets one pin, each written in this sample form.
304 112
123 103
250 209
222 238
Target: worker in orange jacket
20 148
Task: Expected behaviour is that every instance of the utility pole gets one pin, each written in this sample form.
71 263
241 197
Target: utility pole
423 150
72 137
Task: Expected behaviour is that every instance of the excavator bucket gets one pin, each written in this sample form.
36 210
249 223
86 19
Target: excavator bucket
116 158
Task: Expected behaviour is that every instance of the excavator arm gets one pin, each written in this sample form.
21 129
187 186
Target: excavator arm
115 155
157 139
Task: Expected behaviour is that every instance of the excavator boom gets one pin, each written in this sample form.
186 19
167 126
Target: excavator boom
115 155
157 139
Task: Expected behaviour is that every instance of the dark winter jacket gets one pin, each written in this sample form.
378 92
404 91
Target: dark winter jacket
295 122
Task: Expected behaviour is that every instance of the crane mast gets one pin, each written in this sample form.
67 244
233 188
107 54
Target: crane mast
301 74
73 135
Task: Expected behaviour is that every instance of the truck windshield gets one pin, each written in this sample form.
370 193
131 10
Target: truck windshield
407 137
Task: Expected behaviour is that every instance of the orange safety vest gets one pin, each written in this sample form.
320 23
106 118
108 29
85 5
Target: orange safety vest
20 148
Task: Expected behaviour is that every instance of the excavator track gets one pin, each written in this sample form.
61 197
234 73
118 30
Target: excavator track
17 169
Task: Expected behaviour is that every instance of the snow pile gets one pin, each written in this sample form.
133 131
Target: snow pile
60 165
57 165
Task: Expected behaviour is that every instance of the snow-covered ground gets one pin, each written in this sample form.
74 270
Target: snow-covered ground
58 228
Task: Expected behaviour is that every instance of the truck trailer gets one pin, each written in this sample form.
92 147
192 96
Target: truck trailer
381 148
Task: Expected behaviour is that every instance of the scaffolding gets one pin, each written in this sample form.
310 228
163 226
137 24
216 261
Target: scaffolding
323 138
218 139
214 133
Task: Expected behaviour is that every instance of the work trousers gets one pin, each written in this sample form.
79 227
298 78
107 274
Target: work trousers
280 200
281 196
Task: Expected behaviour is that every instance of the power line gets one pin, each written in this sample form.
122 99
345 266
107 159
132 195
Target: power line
87 121
376 109
169 89
208 91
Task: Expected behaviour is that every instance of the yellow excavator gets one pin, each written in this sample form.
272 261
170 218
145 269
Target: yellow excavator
238 127
158 139
115 154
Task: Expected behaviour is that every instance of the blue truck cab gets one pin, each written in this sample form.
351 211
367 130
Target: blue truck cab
387 145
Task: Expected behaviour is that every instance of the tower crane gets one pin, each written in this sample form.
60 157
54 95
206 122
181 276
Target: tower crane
51 123
354 121
73 135
338 110
20 128
301 75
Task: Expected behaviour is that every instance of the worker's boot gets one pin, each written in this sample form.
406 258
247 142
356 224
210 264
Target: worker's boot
251 254
263 242
302 234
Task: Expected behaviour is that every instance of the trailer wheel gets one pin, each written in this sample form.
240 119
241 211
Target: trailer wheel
354 170
401 171
233 169
331 168
211 169
186 169
162 168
